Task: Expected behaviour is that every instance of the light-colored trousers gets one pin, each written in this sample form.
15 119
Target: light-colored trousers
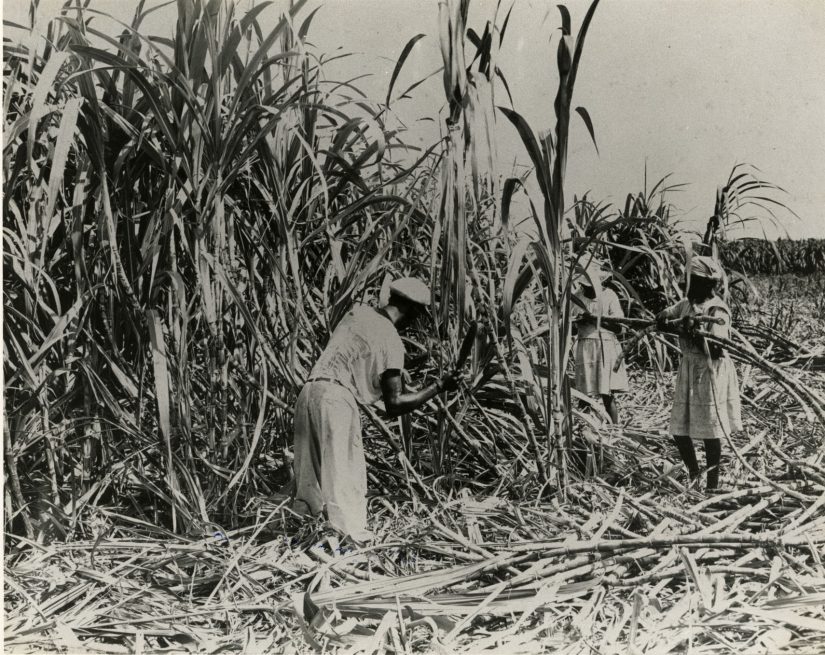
330 470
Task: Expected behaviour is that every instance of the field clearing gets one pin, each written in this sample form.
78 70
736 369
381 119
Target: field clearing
640 564
791 304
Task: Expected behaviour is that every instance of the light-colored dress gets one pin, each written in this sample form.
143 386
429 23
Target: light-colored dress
598 348
330 469
706 402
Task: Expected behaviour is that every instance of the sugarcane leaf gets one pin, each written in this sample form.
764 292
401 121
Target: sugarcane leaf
577 54
414 85
510 186
256 434
39 105
163 399
161 374
64 143
509 296
581 111
149 90
304 29
122 377
26 371
506 85
531 145
57 333
504 24
565 19
252 68
400 64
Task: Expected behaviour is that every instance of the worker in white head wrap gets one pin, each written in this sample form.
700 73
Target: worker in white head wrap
705 267
597 346
706 403
362 363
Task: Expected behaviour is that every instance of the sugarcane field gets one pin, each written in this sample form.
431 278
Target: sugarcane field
438 326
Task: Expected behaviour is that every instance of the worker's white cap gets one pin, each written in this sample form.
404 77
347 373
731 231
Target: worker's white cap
412 289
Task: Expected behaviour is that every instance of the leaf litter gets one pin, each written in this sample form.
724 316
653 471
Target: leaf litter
629 559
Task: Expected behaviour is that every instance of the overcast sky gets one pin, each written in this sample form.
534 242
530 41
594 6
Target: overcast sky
691 87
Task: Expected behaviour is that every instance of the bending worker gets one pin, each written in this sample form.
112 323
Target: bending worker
362 363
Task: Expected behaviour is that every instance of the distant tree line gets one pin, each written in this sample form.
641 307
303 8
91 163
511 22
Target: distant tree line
763 257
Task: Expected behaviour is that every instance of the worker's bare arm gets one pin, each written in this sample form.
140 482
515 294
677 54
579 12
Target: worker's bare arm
718 329
688 326
397 402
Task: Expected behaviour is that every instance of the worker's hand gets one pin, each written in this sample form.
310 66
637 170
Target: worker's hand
609 322
689 325
613 326
449 381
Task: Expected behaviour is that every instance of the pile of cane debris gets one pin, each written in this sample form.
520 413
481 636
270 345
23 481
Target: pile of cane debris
632 559
644 565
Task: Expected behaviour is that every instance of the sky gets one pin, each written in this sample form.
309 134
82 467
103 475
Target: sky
685 87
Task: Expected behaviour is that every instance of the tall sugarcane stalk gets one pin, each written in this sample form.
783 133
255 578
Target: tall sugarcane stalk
548 252
468 91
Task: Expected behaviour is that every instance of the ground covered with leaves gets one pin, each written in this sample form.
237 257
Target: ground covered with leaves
630 559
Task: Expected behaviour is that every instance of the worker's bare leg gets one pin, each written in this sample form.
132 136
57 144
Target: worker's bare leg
688 454
611 407
713 455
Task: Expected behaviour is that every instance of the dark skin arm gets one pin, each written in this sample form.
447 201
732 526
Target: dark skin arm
700 290
397 402
687 327
713 349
